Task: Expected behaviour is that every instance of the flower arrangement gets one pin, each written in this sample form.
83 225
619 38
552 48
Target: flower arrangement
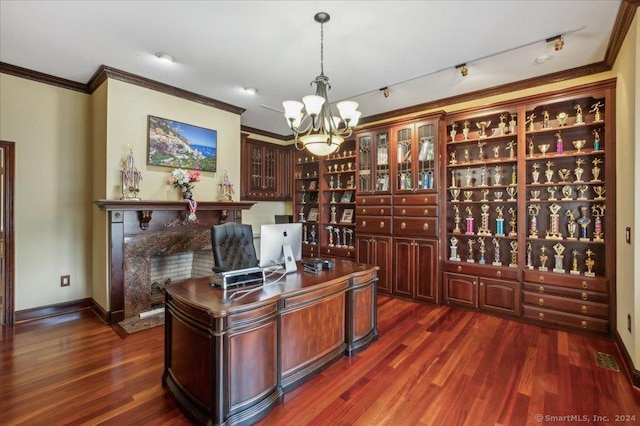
183 179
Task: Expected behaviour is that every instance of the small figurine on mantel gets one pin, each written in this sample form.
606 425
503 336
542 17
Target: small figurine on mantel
131 178
226 188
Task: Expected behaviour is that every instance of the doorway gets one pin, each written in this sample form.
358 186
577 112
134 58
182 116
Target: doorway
7 289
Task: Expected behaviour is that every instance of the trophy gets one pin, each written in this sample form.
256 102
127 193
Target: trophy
562 119
453 160
544 148
578 171
338 185
350 165
595 171
534 210
484 193
532 149
467 196
512 124
337 231
483 176
313 234
333 214
349 232
535 173
530 122
553 233
559 265
453 132
583 221
559 143
535 195
484 220
497 176
543 259
511 147
596 140
351 183
304 234
469 220
496 153
572 227
502 125
600 191
454 182
567 193
497 195
482 125
545 119
330 229
549 172
130 177
579 119
582 189
500 222
512 222
331 182
598 213
579 144
302 198
480 150
482 250
529 251
514 175
589 264
512 191
465 129
564 175
514 254
471 242
552 193
469 176
466 155
455 193
595 108
301 214
496 253
454 249
456 220
574 263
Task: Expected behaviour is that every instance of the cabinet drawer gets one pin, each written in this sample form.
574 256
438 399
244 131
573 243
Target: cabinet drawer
373 200
345 252
416 211
482 270
564 304
427 226
374 224
568 320
415 200
568 281
587 296
310 250
373 211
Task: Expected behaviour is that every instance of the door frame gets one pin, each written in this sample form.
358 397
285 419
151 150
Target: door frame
8 296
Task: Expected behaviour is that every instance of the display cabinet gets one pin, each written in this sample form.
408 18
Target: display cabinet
415 157
306 206
266 171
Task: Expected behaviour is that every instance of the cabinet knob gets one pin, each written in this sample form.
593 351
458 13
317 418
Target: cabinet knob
328 251
584 296
541 279
403 225
381 211
584 324
459 268
583 309
348 253
426 200
541 289
426 212
584 285
425 227
498 274
541 316
364 223
364 201
381 225
541 301
481 283
364 211
381 200
403 212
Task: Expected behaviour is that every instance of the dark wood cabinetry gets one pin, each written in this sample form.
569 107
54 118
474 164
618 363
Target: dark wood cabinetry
416 274
377 250
266 171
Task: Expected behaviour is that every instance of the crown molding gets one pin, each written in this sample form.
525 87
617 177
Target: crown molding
624 19
268 134
41 77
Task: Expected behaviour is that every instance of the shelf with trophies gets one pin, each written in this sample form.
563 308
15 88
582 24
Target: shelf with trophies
529 202
306 201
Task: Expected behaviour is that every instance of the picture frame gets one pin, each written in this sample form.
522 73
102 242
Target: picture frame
313 185
347 196
179 145
313 215
347 216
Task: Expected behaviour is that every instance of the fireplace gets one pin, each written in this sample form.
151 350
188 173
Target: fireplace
141 230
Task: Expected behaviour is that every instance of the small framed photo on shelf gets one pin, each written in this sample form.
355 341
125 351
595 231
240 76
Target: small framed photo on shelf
346 197
347 216
313 215
313 185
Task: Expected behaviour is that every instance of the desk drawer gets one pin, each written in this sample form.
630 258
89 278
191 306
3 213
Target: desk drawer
373 211
373 200
567 281
564 304
587 296
416 211
374 224
415 200
427 226
578 322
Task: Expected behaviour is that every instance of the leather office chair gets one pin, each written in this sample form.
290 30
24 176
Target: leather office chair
233 248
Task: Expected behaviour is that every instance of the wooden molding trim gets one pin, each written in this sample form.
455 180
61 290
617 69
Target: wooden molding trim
8 260
105 72
624 19
634 375
266 133
100 312
53 310
42 78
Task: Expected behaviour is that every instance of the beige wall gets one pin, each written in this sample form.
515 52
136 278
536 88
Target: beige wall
52 131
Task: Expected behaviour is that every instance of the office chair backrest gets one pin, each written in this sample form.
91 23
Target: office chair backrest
233 248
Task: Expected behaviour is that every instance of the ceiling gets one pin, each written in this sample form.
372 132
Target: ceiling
222 47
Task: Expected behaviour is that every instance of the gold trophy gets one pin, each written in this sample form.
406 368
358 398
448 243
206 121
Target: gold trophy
502 125
544 148
574 263
452 154
600 191
562 119
589 263
512 124
531 123
484 193
545 119
595 170
567 193
582 190
598 213
554 218
559 265
454 249
579 119
455 192
534 210
543 259
482 125
564 175
467 196
512 222
535 173
532 149
497 176
578 171
511 147
595 108
465 129
535 195
452 133
514 254
579 144
497 196
480 150
512 191
572 226
456 220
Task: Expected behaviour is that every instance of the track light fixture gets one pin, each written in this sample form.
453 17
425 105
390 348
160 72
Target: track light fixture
385 91
558 42
464 70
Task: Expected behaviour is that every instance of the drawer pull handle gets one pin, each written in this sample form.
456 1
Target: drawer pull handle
541 279
540 301
403 212
426 212
404 201
381 225
541 289
584 285
348 253
584 296
328 251
459 268
403 225
364 201
364 223
541 316
364 211
481 283
381 211
425 227
584 324
426 200
583 309
381 200
498 274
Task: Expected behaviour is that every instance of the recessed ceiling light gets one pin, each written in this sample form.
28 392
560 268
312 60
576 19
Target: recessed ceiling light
251 90
542 58
164 56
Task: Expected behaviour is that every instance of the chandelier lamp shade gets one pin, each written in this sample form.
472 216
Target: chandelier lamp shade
314 125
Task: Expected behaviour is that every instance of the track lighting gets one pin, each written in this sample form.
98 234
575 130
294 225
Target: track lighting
385 91
558 42
464 70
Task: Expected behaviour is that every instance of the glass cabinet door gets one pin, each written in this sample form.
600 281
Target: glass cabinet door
270 169
382 162
365 163
405 176
256 168
415 150
426 173
373 162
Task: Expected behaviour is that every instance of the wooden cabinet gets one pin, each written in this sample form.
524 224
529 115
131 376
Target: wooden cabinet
416 272
414 150
461 290
499 296
377 250
306 201
374 162
266 171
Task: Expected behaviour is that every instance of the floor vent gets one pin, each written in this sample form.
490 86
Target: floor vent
607 361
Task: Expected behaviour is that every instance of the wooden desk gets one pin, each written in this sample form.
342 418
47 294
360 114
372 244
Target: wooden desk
230 363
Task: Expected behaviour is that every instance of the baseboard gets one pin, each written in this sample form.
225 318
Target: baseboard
53 310
634 375
101 313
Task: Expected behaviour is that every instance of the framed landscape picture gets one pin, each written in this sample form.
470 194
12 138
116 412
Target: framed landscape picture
179 145
347 216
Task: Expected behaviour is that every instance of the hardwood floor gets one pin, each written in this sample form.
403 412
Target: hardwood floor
431 365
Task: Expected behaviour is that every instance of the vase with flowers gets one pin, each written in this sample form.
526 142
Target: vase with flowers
185 180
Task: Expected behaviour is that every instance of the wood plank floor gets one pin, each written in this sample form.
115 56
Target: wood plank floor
432 365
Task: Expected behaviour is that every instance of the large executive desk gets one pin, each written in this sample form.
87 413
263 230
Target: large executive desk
230 363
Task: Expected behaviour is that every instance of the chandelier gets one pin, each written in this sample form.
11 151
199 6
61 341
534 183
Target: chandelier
317 129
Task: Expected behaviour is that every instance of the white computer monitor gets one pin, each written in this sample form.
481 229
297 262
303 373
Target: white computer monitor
275 239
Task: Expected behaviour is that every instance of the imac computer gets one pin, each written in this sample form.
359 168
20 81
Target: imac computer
281 244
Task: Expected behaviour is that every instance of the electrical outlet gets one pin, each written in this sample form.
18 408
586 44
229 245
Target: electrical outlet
629 322
65 280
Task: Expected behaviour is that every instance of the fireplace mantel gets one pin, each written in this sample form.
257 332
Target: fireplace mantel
129 219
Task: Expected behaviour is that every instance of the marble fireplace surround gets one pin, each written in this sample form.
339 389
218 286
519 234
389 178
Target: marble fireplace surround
139 230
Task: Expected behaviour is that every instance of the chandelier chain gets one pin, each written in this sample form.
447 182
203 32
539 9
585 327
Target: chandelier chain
321 48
